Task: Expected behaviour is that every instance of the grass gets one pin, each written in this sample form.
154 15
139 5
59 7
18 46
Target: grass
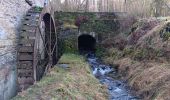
73 83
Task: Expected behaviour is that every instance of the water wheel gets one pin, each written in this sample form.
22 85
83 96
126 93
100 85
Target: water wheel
37 49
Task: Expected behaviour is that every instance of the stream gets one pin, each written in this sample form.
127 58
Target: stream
117 89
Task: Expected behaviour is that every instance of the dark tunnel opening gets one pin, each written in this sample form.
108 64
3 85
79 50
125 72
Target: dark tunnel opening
86 43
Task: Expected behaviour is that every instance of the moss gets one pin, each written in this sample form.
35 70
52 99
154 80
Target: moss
69 26
36 8
94 24
69 45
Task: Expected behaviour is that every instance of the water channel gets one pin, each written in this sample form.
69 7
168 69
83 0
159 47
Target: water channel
117 89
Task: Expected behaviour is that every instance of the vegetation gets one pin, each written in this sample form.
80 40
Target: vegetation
85 22
166 36
69 45
139 8
144 64
74 82
90 24
100 51
36 8
165 33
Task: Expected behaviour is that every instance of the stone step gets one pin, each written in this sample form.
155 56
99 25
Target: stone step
36 17
24 80
27 42
25 56
27 34
30 22
33 14
23 87
32 28
25 73
25 49
33 11
25 65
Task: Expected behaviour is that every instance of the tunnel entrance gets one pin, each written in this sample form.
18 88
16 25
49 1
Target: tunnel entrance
86 43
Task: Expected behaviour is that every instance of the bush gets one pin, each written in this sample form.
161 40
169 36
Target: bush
128 51
140 54
69 45
100 51
166 36
114 53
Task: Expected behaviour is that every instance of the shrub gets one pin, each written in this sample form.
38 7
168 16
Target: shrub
166 36
140 54
100 51
69 45
128 51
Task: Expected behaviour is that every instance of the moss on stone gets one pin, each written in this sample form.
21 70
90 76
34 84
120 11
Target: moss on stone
69 45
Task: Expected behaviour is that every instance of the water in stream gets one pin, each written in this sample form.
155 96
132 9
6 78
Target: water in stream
118 90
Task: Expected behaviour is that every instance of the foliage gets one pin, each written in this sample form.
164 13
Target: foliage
69 45
88 22
128 51
36 8
147 53
80 20
166 36
100 26
165 33
100 51
140 54
114 53
60 46
140 29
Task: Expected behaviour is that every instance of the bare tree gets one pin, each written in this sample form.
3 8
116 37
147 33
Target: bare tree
140 8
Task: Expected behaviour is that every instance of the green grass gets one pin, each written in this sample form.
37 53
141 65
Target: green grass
166 36
73 83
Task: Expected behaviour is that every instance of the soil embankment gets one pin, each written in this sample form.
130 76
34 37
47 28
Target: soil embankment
144 58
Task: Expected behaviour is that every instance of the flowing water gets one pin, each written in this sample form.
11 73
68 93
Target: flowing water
117 89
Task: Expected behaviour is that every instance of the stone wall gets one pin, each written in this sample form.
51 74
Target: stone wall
11 14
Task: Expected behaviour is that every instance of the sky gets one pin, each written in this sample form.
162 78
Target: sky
62 1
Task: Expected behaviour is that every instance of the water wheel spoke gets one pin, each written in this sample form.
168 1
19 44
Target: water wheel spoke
43 40
53 49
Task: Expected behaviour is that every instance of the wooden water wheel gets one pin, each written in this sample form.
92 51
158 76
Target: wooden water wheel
37 49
